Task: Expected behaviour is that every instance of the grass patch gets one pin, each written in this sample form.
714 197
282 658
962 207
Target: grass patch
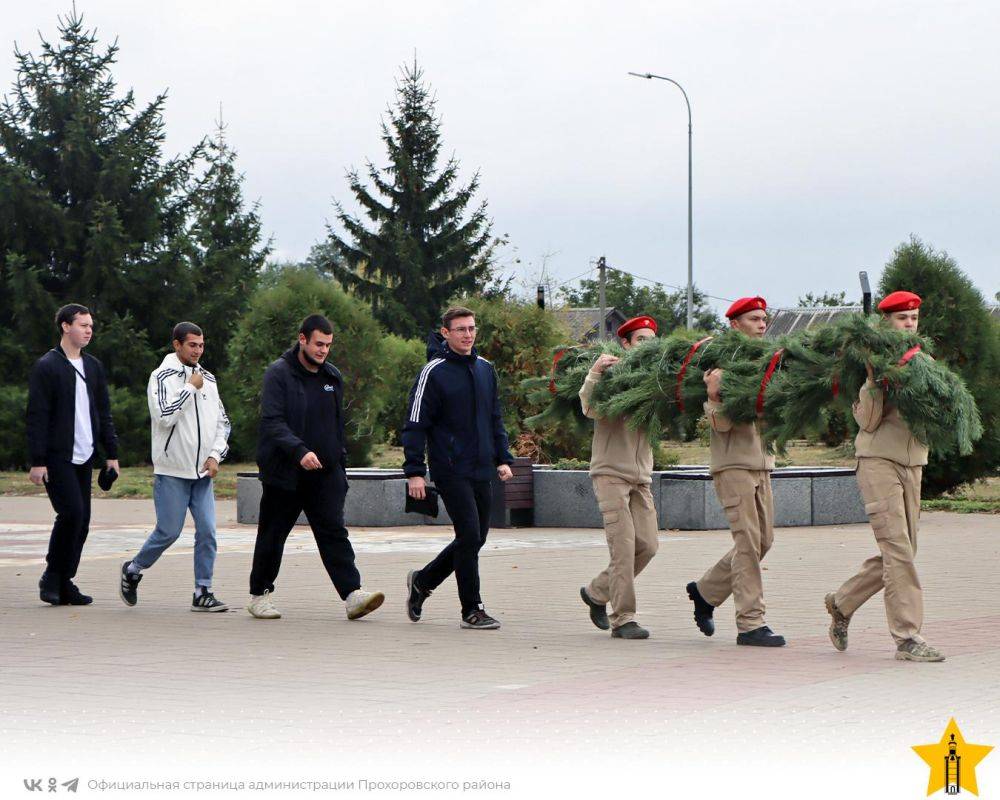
134 482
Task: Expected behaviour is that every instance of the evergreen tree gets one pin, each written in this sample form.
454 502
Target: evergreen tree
830 299
955 317
89 211
227 255
621 291
420 250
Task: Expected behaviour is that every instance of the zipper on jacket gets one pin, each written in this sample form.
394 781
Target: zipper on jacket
169 437
197 422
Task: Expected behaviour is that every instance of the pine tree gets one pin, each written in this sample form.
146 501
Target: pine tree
227 254
89 211
421 250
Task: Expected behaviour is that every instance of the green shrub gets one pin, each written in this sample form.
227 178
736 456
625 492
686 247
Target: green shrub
13 442
270 327
664 458
571 463
400 363
130 412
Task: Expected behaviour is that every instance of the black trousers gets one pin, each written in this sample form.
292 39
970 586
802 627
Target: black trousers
68 487
468 503
321 495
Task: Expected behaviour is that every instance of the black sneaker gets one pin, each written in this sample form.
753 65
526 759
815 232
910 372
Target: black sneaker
630 630
70 595
761 637
203 600
598 611
48 588
415 597
703 610
128 585
479 620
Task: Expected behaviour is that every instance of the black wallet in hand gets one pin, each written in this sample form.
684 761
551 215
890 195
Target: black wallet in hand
428 506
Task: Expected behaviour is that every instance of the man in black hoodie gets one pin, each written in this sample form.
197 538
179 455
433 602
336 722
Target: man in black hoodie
69 413
302 459
454 414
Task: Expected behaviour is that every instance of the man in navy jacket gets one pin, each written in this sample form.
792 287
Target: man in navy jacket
454 415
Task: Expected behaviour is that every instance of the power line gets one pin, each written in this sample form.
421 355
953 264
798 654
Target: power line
668 285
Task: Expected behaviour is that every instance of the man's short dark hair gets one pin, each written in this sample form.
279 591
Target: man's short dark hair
184 329
315 322
454 313
68 313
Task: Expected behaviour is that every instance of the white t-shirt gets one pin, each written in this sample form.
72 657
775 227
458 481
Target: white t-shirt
83 433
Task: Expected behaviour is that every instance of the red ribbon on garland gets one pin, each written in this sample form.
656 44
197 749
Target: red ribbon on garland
552 374
767 378
908 355
683 369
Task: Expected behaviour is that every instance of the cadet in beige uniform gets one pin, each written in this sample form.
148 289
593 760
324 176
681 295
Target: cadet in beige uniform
890 464
621 467
741 470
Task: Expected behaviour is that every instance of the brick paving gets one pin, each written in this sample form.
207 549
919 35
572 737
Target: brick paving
156 685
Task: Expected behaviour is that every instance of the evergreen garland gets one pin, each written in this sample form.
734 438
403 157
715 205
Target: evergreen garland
812 372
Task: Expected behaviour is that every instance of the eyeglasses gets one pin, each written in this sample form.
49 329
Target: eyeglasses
470 329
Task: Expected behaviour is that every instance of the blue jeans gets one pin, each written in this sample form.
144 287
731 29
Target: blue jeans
172 498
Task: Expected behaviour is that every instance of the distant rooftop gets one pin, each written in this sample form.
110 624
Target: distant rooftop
793 320
584 323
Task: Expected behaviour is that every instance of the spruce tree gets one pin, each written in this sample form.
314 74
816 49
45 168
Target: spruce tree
227 254
89 211
418 249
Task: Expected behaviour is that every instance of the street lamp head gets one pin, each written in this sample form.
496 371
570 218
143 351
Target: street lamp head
647 75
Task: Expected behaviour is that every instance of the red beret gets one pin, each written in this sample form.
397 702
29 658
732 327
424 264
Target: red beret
899 301
635 324
745 304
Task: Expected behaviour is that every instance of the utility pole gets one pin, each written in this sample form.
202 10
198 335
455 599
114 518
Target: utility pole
540 296
602 269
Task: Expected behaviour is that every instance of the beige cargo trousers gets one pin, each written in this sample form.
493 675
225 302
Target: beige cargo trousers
745 494
630 525
891 493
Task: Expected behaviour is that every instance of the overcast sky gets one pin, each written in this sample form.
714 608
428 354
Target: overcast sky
824 133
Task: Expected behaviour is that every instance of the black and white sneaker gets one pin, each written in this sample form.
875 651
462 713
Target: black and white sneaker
128 585
479 620
203 600
415 597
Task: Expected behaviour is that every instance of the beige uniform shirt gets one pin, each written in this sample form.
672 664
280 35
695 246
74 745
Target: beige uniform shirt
884 434
618 451
735 446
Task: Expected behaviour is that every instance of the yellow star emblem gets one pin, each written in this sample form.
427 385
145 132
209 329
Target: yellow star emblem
952 761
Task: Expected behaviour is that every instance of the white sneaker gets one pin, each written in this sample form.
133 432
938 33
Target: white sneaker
359 602
261 607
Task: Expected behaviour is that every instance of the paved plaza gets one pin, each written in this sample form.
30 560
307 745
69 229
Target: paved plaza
156 687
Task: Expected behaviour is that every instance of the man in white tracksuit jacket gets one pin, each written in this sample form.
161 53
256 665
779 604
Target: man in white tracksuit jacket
189 433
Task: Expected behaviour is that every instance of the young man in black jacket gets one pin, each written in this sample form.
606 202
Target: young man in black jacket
454 413
302 459
69 412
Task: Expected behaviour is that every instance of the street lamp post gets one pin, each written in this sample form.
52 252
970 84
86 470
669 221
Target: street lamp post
690 283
